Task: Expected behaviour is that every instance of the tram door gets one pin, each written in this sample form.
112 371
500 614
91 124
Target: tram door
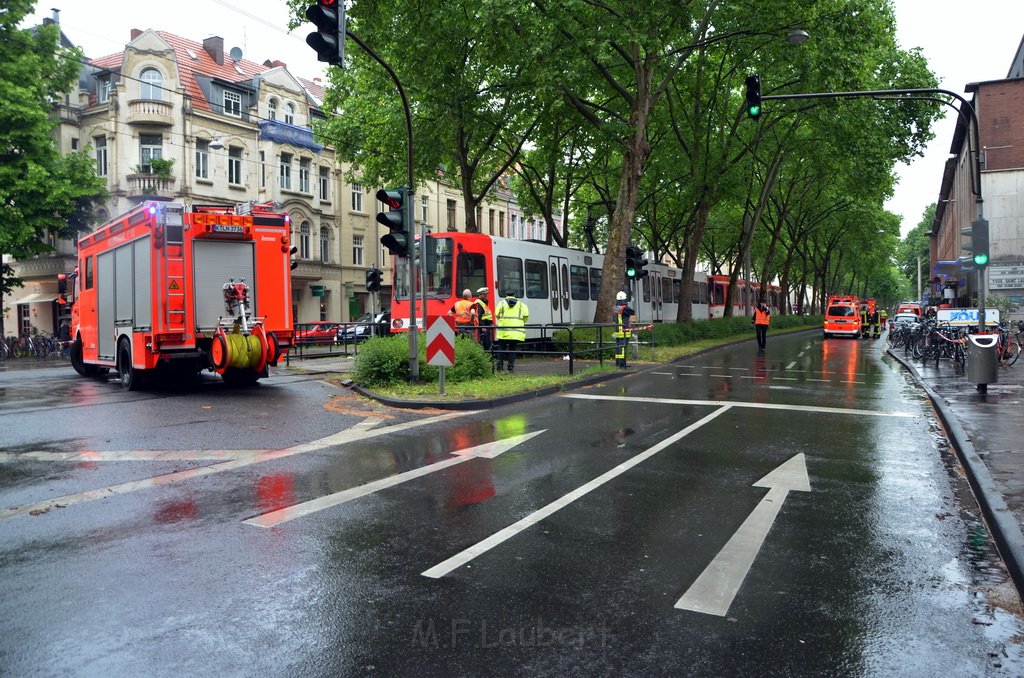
656 299
558 278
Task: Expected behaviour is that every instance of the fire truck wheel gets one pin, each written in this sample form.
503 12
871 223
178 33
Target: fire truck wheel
131 380
78 363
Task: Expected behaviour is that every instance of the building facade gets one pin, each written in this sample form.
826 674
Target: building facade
1000 156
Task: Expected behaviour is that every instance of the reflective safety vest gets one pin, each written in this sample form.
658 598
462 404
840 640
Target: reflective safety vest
622 324
463 312
512 320
762 317
482 312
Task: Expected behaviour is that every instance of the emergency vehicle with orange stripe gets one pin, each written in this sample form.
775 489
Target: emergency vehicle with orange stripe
167 290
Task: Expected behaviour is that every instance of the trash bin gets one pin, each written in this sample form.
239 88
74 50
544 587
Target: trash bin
981 358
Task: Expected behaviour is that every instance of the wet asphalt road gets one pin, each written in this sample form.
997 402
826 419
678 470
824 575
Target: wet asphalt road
202 530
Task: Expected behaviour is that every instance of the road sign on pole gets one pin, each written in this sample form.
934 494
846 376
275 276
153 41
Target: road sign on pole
440 340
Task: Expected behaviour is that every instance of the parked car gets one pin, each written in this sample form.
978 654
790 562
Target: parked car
903 318
363 328
320 332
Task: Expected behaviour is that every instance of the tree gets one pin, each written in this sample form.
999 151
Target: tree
41 191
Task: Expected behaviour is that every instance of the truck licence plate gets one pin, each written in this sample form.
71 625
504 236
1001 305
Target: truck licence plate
225 228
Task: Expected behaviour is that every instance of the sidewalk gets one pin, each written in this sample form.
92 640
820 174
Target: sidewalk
987 431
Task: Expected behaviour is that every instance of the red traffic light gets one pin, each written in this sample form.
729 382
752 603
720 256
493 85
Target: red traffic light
327 3
392 198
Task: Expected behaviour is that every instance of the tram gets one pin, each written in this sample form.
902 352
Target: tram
560 286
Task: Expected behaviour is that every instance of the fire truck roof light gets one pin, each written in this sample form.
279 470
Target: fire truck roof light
152 209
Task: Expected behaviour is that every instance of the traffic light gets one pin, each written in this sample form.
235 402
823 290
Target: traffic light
399 240
374 278
291 252
632 262
329 39
979 242
754 96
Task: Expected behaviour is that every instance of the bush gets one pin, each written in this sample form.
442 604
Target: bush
384 361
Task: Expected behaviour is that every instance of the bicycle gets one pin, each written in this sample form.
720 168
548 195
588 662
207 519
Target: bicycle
1008 347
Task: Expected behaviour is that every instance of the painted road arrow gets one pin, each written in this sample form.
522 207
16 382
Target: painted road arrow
486 451
715 588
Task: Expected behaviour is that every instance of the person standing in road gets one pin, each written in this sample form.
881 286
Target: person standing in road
484 318
511 316
762 318
623 317
464 311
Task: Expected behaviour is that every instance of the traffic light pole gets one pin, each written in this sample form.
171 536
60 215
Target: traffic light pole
410 273
921 94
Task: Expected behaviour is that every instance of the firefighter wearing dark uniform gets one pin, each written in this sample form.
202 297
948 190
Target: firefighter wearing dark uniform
484 318
762 318
511 316
623 333
864 321
873 321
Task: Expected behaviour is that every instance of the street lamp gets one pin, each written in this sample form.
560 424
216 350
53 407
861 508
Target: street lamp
797 36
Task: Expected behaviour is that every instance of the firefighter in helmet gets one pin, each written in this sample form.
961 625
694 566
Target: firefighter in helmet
623 317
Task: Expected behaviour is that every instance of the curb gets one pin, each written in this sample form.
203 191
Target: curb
493 402
1005 528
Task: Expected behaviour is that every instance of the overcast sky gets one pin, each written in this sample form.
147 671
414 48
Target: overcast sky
963 42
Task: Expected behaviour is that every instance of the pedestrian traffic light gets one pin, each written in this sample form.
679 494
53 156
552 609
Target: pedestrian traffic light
329 39
374 279
632 262
979 242
291 253
399 240
754 96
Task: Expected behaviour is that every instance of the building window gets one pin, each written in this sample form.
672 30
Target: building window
263 169
100 143
424 209
234 165
150 147
232 104
272 109
152 84
304 175
451 215
289 113
325 245
479 218
325 183
501 224
74 143
103 91
357 250
357 197
490 222
305 231
202 159
286 171
24 319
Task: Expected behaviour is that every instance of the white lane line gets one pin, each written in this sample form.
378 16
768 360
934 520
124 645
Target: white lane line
131 455
852 382
724 376
811 379
737 403
741 369
360 431
670 374
460 559
790 366
717 586
486 450
786 378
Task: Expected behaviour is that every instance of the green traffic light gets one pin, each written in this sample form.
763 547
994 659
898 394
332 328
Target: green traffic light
754 111
630 272
981 259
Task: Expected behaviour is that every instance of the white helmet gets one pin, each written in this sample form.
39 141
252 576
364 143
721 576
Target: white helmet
621 296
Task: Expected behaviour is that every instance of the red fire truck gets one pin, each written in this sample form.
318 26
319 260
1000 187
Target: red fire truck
165 290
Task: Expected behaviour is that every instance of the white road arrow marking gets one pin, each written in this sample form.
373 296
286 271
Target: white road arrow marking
486 451
715 588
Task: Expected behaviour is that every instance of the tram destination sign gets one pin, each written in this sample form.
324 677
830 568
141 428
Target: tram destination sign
1006 276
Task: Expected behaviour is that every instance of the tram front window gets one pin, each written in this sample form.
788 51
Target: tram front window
437 268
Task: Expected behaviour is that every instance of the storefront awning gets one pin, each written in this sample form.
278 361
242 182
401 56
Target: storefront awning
38 298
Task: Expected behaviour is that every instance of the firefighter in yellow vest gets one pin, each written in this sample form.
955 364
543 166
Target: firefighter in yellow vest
511 316
623 332
485 320
762 318
464 311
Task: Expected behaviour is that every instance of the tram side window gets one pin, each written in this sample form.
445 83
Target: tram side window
88 273
536 279
470 272
595 283
510 276
669 291
579 283
647 288
719 294
703 293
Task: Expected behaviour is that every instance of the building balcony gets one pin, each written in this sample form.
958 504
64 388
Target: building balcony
66 113
150 112
150 187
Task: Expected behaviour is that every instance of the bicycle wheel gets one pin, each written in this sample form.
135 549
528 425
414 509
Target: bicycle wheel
1012 351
